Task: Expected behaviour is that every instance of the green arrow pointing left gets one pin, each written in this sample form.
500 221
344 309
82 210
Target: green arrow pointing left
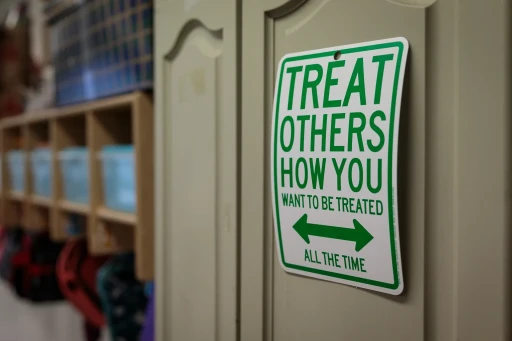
358 234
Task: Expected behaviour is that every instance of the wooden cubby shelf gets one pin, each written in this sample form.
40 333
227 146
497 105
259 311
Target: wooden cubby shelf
17 196
40 201
73 207
126 119
116 216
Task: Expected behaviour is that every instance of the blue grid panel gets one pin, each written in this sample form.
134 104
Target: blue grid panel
95 58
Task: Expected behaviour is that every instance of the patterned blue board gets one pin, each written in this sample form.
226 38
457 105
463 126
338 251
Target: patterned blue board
102 49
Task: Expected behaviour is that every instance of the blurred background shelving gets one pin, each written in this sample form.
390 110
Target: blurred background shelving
76 161
119 121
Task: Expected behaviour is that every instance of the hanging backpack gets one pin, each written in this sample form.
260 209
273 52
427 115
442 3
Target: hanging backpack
122 297
76 271
12 241
148 330
3 240
33 268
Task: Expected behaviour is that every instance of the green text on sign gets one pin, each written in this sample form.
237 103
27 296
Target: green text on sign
334 147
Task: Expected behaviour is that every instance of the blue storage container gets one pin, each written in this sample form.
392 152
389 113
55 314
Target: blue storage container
16 161
74 162
41 160
119 177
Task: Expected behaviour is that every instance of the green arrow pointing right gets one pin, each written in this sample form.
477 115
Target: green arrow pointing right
358 234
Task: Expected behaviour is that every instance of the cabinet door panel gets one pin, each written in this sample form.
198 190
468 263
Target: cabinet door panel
299 308
196 101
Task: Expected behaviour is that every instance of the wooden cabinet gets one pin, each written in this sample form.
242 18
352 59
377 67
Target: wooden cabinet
218 274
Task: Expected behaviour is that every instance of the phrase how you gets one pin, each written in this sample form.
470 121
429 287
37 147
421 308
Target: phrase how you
333 128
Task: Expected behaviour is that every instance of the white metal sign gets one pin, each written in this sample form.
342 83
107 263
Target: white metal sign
334 157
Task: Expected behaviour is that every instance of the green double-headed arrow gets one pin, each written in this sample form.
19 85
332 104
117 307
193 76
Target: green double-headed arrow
358 234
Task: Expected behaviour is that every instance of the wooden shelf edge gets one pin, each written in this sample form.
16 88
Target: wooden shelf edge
35 229
28 118
40 115
107 251
66 237
111 237
70 110
18 196
100 104
74 207
12 122
40 201
58 237
116 216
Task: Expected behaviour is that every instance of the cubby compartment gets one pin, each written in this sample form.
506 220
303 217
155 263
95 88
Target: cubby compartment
74 164
38 133
108 237
114 224
118 177
41 169
13 137
15 177
14 212
72 161
113 163
40 160
70 224
115 125
37 217
17 165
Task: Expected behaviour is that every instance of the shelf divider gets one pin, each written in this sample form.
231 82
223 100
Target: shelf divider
28 216
94 229
143 134
57 231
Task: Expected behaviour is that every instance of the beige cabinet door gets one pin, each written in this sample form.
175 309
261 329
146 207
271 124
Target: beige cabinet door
196 177
451 188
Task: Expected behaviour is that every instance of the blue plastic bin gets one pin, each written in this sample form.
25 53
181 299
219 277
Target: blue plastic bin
16 161
74 162
41 160
119 177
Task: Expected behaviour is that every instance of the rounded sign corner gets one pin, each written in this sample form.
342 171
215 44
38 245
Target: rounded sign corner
397 289
404 42
284 60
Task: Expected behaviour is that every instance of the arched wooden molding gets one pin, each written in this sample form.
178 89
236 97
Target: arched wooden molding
414 3
285 9
312 13
190 26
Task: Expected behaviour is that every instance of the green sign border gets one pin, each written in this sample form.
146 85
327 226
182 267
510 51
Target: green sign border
395 285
